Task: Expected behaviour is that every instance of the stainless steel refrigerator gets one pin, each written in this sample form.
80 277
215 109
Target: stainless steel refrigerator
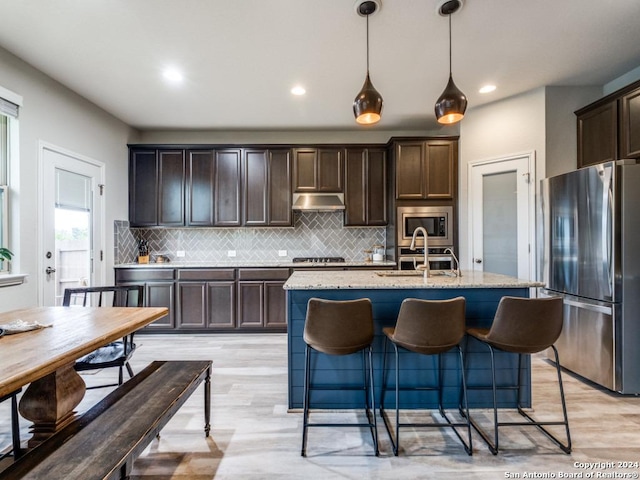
591 257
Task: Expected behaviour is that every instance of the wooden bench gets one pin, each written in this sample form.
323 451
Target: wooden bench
104 442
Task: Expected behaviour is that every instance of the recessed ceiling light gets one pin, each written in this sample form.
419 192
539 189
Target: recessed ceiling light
172 75
487 89
298 90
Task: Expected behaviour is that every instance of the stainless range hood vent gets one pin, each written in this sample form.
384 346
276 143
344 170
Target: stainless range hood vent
318 202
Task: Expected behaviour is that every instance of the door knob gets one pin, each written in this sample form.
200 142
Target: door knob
50 270
478 260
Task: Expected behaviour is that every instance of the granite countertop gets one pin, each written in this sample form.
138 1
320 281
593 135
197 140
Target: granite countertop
395 280
286 263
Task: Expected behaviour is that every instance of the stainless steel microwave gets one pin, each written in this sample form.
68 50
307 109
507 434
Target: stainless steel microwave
437 221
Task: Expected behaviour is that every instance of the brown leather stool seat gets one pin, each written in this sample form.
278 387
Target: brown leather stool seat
523 326
340 328
427 327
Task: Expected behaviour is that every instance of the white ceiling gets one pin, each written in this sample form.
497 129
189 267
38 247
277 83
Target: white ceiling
240 58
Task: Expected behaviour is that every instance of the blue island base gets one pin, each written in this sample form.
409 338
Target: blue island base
416 370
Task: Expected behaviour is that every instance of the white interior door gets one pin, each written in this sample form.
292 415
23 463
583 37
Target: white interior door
72 243
501 197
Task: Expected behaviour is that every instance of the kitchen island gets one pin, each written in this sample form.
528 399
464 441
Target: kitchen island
387 290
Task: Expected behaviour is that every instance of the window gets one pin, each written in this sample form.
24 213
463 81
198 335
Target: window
8 114
4 190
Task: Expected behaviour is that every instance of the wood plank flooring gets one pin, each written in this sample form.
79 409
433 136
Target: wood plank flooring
254 437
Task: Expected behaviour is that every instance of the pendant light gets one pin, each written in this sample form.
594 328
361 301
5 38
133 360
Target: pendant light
367 105
452 104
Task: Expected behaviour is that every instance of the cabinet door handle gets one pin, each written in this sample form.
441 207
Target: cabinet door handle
478 260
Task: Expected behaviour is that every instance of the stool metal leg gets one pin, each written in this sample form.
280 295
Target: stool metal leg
566 448
305 417
370 406
371 414
494 444
394 438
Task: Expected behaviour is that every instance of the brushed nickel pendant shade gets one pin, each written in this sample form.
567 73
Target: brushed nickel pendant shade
452 104
367 106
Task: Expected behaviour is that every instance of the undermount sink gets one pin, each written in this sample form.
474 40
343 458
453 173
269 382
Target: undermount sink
414 273
399 273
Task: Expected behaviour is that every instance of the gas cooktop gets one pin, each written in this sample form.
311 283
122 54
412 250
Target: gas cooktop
318 260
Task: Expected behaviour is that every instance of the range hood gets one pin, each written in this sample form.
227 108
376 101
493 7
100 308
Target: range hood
318 202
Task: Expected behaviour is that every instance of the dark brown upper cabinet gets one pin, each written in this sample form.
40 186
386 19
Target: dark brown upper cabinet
598 134
426 170
267 187
318 169
365 187
630 125
227 164
200 182
609 128
156 192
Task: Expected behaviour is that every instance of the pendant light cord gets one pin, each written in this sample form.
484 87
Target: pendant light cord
449 45
367 45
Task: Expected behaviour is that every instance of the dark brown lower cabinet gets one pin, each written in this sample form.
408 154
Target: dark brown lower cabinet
250 304
261 298
159 289
192 304
275 305
206 299
160 294
221 300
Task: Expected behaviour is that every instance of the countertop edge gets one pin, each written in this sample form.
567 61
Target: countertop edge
249 264
369 280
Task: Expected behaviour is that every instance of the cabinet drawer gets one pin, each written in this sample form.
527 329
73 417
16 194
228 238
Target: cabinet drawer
140 275
206 274
263 273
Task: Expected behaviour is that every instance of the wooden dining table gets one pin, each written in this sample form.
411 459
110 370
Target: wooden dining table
44 358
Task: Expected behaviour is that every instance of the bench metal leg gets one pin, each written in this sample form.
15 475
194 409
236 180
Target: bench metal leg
207 403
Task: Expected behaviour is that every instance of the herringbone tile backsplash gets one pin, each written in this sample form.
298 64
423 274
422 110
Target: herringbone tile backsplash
314 234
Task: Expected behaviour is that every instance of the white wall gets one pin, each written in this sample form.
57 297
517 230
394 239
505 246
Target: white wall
561 126
511 126
622 81
53 114
541 120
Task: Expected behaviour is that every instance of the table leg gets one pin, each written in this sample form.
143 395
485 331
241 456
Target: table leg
49 402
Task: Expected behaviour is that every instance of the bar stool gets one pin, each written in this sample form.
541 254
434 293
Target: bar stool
426 327
340 328
523 326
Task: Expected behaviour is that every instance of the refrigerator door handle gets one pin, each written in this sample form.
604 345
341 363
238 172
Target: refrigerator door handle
589 306
607 224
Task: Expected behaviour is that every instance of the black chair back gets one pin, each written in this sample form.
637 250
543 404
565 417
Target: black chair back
114 296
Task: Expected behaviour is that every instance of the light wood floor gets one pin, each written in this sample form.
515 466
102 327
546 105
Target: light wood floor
254 437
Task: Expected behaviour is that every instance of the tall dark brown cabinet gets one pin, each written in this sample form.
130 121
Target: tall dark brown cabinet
156 188
267 187
227 164
210 187
365 187
200 182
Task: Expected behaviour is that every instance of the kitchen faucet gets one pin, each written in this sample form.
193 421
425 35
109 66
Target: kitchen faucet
456 270
425 265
